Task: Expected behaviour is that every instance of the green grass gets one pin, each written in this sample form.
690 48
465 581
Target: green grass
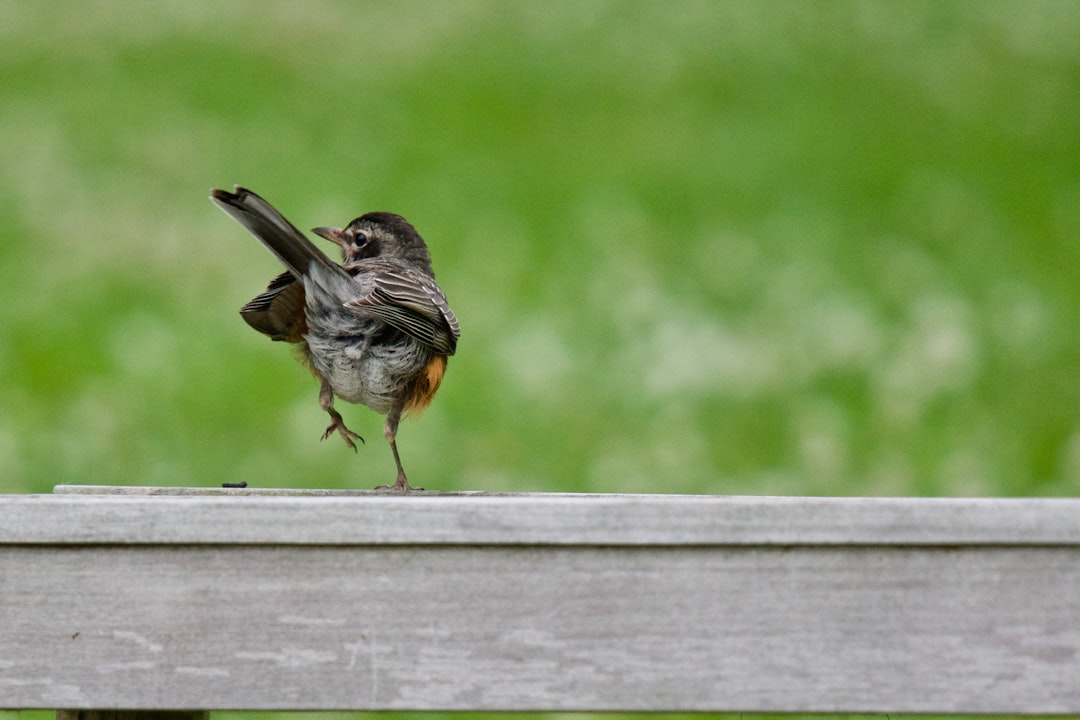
745 247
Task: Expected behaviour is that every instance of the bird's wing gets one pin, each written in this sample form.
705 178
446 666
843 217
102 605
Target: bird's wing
406 299
279 311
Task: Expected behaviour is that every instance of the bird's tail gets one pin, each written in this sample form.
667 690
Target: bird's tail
279 235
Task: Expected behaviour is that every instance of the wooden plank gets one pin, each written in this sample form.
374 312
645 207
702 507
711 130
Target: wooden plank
265 517
263 601
986 630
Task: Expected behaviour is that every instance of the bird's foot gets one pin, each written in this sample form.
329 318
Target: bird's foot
338 425
401 485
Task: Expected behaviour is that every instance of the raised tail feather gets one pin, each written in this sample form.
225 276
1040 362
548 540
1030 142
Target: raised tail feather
280 236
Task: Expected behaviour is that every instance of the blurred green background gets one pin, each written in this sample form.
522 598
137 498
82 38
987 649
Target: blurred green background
696 247
822 248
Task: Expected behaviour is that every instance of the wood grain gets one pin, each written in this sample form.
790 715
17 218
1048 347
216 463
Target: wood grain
367 517
539 603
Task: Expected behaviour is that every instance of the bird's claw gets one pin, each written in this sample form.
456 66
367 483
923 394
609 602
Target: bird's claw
338 425
401 485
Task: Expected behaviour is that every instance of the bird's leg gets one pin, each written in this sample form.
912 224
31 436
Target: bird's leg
390 431
326 402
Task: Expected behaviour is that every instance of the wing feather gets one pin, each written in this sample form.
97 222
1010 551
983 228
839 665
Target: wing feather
279 311
406 299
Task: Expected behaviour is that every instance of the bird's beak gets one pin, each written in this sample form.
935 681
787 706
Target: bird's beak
334 235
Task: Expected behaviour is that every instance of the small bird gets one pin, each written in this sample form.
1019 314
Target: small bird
376 330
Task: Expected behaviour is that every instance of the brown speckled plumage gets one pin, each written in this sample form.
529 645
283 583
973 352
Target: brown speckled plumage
376 330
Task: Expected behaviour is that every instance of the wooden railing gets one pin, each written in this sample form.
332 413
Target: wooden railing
155 599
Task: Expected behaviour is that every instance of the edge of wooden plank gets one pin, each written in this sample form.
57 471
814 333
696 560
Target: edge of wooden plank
306 517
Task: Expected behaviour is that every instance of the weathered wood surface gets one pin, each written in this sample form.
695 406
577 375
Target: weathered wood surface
83 514
244 600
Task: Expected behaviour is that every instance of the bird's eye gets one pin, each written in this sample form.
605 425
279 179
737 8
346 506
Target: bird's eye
360 239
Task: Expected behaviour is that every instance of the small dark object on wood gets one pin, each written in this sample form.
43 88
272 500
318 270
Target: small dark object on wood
234 485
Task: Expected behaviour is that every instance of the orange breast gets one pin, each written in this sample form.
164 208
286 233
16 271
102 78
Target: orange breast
426 384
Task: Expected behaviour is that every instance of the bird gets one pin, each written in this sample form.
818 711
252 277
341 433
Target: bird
376 329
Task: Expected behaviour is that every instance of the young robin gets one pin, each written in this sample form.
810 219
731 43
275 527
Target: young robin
376 330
